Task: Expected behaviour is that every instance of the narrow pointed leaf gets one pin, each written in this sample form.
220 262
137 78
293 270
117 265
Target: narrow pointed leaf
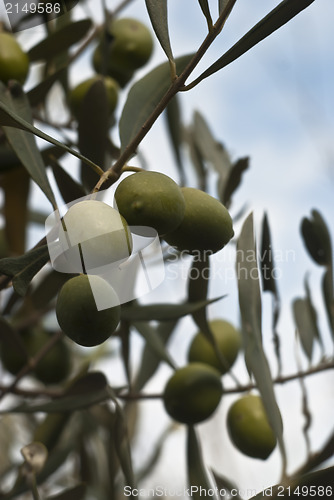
158 15
153 341
226 486
212 151
206 11
303 317
163 312
175 129
151 358
250 310
60 40
227 188
198 286
221 5
312 313
23 143
46 290
279 16
266 259
22 269
317 239
328 295
267 266
69 188
38 93
143 98
93 131
87 391
122 445
198 478
197 159
10 118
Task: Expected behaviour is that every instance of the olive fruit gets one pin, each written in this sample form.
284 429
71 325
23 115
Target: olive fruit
127 46
228 341
249 429
79 92
150 199
14 62
206 225
103 65
78 315
102 233
193 393
53 368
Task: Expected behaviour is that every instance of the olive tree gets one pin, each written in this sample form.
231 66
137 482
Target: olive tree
70 427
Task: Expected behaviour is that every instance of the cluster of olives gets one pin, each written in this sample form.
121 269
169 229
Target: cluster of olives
125 46
194 391
53 368
150 199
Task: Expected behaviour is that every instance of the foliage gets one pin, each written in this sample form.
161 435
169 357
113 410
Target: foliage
88 422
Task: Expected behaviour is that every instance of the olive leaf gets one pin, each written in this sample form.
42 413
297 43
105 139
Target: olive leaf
153 341
225 486
163 312
175 130
143 98
206 11
9 118
37 94
89 390
158 15
317 239
198 478
269 282
93 131
279 16
196 158
22 269
69 188
250 309
24 144
212 151
152 355
60 40
305 317
328 295
221 5
227 187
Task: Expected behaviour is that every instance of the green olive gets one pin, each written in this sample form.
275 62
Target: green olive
228 342
249 429
150 199
14 62
77 312
130 44
102 233
53 368
79 92
193 393
206 225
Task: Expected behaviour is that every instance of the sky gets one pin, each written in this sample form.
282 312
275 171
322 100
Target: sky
275 104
